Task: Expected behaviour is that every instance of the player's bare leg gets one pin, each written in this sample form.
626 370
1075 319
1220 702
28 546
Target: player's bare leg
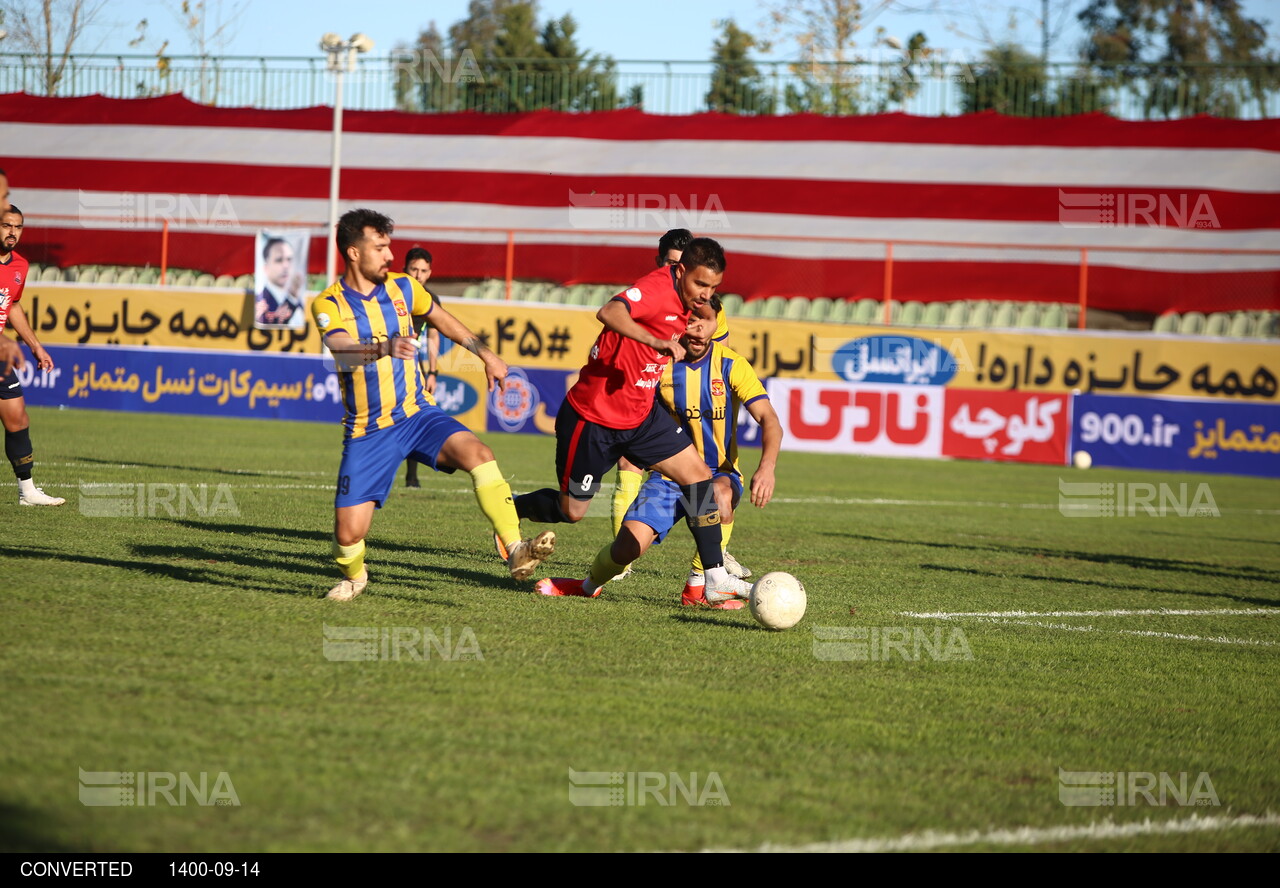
702 514
350 527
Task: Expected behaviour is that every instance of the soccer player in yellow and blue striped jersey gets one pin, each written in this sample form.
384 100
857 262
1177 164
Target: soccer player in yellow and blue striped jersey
366 319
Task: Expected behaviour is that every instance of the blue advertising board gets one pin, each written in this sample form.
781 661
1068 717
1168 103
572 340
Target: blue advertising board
191 381
1178 434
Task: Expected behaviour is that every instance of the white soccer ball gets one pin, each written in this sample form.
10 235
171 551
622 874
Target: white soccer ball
1082 459
777 600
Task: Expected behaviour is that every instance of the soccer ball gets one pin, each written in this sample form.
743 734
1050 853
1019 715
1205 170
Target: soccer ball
1082 459
777 600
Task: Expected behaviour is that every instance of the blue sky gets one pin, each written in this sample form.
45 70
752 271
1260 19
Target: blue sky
624 29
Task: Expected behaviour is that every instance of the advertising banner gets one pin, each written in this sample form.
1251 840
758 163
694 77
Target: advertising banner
879 419
1014 426
1178 434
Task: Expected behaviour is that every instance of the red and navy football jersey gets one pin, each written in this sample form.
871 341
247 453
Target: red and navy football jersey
13 277
616 387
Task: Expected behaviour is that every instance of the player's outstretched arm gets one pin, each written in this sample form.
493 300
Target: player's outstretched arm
18 320
762 481
10 356
615 316
495 369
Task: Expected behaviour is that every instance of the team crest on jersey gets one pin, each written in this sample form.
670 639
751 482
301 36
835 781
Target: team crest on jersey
400 308
634 294
717 388
322 321
17 277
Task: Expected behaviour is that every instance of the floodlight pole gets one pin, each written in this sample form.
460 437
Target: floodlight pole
342 58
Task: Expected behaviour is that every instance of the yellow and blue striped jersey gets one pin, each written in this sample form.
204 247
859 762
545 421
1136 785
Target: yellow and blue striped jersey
722 326
388 390
704 397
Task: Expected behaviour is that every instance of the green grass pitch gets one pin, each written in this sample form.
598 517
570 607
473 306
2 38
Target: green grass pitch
192 641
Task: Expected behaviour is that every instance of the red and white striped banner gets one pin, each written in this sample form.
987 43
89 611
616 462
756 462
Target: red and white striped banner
980 206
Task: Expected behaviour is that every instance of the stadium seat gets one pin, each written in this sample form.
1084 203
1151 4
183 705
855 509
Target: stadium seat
225 280
152 276
1267 325
868 311
1029 316
1166 323
841 312
107 275
1217 324
956 314
470 291
1192 322
732 303
127 276
1006 315
797 308
51 273
87 274
820 308
185 279
533 292
751 308
202 280
979 315
1053 317
934 314
557 295
245 282
578 294
1241 325
774 307
494 289
602 293
911 314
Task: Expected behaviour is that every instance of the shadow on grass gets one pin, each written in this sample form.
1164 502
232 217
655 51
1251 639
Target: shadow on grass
1264 602
186 469
323 538
383 578
26 830
709 620
1138 562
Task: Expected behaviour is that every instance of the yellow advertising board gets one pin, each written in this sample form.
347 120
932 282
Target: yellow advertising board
560 337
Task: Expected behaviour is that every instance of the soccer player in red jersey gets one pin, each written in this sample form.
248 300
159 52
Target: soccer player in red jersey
611 411
10 355
13 406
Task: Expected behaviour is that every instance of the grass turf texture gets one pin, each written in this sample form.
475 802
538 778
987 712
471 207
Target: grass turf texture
195 644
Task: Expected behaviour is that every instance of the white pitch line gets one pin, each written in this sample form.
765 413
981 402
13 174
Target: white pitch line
1025 835
1216 639
1152 612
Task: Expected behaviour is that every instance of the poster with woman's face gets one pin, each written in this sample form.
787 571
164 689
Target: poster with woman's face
280 279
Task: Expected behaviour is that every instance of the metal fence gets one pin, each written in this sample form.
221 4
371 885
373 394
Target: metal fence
419 82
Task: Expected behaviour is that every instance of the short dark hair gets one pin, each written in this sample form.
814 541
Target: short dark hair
13 208
703 252
716 302
271 242
350 230
414 255
675 239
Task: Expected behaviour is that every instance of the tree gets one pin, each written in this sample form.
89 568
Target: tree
50 30
1183 57
498 59
1013 81
736 84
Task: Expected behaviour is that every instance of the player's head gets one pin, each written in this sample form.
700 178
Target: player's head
11 221
671 245
364 240
701 330
277 260
417 264
700 271
4 191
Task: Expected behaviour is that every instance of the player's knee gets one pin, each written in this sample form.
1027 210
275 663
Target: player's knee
571 510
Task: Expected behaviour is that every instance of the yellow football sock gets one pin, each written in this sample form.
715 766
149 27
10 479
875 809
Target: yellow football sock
493 493
350 559
726 531
626 489
604 568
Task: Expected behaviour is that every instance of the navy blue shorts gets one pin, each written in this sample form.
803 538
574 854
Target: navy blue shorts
10 388
586 451
370 463
660 503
